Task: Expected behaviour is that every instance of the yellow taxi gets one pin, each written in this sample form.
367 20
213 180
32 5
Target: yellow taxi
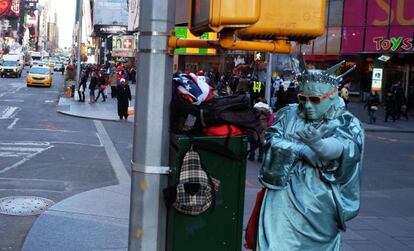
39 76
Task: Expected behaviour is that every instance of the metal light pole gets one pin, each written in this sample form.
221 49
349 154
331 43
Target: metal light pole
147 228
268 94
78 56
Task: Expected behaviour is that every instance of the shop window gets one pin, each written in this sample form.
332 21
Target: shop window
352 40
335 12
334 40
379 12
319 45
354 12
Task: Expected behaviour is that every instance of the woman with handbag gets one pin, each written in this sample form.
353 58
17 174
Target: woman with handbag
372 106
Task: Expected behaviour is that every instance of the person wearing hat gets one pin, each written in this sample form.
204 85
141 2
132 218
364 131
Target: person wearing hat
311 170
123 94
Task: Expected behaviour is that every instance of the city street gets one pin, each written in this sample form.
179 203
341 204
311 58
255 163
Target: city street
46 154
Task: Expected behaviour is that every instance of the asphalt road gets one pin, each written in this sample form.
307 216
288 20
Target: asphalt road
46 154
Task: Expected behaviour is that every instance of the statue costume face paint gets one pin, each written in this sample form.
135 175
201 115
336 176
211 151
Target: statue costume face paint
314 148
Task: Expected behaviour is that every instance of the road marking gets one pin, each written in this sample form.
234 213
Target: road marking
12 100
8 112
13 123
113 156
15 150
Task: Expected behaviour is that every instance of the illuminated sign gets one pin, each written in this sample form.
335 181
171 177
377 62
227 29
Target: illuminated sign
376 79
393 44
183 32
123 46
399 13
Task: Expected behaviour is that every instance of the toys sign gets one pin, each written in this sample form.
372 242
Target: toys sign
393 44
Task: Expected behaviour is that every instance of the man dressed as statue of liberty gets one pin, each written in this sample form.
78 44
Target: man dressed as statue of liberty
312 170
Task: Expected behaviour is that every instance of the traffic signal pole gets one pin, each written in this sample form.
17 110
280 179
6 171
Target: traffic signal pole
148 215
79 42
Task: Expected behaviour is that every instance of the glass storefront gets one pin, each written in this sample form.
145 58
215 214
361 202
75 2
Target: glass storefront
363 30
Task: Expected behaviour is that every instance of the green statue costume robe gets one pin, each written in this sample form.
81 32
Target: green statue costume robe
305 207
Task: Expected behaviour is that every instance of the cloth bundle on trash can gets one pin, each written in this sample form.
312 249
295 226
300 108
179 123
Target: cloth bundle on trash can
195 189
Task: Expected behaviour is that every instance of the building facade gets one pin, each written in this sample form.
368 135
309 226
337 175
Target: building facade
361 31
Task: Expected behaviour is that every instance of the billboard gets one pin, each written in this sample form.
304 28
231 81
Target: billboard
110 12
9 8
123 46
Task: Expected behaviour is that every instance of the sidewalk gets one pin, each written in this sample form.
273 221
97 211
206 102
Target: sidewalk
100 110
401 126
98 219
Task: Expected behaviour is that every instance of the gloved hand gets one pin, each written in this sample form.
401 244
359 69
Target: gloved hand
326 148
310 156
310 134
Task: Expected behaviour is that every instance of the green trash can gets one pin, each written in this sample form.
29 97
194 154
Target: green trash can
219 228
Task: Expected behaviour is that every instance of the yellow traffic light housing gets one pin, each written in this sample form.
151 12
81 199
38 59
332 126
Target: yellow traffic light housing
299 20
216 15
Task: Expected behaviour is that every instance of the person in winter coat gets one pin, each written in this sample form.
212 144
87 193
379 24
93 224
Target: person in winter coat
124 96
291 94
390 106
92 86
372 106
255 140
280 98
82 86
113 79
101 86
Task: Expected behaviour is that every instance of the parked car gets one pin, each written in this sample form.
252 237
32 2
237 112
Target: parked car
39 76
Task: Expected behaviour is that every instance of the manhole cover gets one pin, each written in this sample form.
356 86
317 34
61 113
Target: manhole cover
24 205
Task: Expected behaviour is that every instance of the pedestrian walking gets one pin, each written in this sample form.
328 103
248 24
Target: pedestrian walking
123 94
92 86
372 106
82 86
256 141
132 75
113 79
389 106
399 98
101 86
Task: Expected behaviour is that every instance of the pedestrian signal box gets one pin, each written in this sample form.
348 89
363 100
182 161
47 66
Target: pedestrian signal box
216 15
298 20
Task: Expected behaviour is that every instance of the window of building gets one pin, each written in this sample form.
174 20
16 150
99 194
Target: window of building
335 12
374 39
352 40
378 13
354 13
319 45
333 45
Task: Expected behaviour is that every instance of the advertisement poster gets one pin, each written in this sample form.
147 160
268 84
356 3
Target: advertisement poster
123 46
376 79
9 8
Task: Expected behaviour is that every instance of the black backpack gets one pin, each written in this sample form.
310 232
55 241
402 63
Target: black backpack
228 110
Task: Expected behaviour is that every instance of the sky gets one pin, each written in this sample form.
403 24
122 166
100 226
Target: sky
65 10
